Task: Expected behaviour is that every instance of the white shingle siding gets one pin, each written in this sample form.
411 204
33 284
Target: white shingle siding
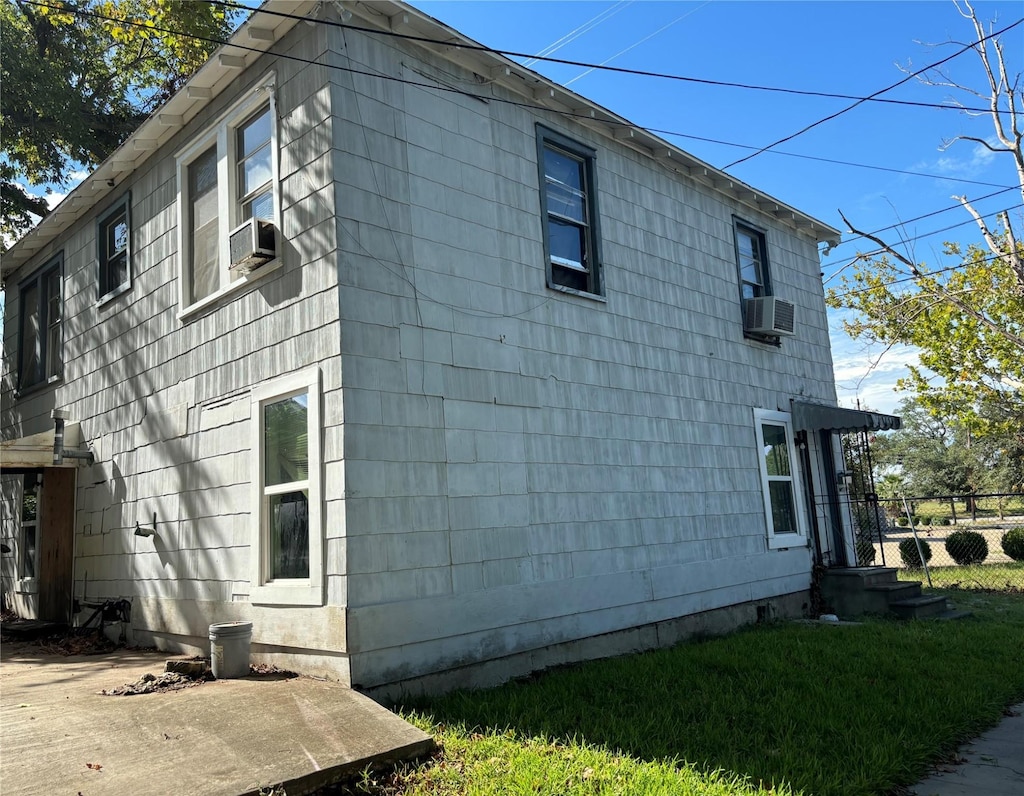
504 466
569 467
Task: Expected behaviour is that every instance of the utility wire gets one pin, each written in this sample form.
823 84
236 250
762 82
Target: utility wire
490 98
946 209
928 234
862 100
902 280
604 67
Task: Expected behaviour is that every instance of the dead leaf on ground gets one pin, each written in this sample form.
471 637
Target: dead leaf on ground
94 766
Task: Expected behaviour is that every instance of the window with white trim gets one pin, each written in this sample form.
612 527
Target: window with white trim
41 336
113 250
780 483
226 177
569 205
287 550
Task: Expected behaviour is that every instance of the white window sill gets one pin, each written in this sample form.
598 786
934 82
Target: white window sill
296 592
229 290
787 541
26 586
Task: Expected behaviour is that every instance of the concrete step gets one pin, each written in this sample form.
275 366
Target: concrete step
919 607
867 576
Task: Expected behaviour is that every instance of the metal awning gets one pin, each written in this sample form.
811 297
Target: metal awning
819 417
37 450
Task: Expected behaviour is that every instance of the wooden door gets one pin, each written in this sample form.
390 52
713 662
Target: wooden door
56 542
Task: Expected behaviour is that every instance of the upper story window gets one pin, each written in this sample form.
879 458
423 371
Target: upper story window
40 357
752 261
569 206
287 550
226 177
113 243
780 484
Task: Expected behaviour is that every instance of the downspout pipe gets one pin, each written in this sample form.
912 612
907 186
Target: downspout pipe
59 453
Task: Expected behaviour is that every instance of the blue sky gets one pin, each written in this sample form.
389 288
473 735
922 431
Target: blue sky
850 48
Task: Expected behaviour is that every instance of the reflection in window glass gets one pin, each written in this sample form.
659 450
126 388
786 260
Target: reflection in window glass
289 535
286 441
776 451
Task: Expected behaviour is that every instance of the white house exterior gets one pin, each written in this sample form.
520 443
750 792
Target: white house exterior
490 403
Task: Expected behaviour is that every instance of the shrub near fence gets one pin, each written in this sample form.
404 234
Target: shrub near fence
975 542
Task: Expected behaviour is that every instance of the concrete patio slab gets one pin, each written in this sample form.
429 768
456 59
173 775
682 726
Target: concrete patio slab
58 734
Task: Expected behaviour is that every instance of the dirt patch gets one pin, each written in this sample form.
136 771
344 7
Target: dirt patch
154 684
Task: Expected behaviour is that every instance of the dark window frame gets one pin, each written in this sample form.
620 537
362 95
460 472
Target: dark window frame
105 290
588 282
39 281
760 235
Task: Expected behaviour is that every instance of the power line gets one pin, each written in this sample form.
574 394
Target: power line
925 215
902 280
604 67
491 98
925 234
862 100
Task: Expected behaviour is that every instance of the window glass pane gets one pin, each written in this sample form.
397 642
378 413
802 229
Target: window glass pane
750 271
117 235
254 171
202 173
54 360
53 298
261 206
30 499
254 133
783 511
116 272
31 340
28 552
286 441
202 177
567 242
776 452
564 184
289 535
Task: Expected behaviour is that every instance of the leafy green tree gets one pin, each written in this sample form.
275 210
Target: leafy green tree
966 320
75 84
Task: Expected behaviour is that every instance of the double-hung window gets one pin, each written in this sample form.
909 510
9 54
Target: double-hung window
226 177
569 207
752 261
113 243
780 484
287 551
40 357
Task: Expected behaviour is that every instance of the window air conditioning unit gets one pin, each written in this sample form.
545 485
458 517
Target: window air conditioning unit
768 315
251 245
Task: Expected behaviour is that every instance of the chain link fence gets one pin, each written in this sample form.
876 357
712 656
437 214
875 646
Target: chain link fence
955 541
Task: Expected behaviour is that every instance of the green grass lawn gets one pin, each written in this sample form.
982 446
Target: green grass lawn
775 709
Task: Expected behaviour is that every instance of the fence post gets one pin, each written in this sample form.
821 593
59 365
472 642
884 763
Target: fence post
917 541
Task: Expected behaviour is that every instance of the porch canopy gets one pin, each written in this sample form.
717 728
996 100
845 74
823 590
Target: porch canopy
819 417
37 450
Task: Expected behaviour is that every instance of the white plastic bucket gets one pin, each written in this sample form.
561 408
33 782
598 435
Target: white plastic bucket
229 649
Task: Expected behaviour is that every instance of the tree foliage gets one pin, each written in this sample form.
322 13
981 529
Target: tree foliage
76 84
967 320
934 456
